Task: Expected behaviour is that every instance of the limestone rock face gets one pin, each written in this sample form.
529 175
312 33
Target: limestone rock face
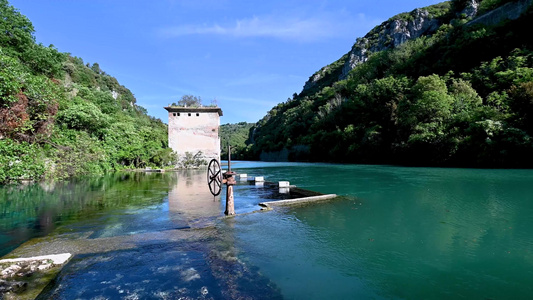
508 11
358 55
471 8
390 34
407 26
402 30
315 78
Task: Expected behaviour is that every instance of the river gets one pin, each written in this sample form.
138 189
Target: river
393 233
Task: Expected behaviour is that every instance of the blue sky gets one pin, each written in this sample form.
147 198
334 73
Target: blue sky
248 55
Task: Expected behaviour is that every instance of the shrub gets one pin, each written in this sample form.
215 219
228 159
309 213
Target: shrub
20 160
83 116
192 160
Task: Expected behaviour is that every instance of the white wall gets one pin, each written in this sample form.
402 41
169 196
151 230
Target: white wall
197 132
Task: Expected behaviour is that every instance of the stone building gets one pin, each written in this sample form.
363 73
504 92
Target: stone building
194 129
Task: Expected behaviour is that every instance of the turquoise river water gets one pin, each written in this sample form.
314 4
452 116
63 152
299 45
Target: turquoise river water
393 233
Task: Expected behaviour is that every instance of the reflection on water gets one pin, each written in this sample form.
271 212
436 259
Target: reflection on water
400 233
190 196
35 210
131 237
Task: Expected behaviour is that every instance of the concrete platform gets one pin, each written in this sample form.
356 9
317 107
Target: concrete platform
298 201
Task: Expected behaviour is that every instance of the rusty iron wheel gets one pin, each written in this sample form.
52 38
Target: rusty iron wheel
214 177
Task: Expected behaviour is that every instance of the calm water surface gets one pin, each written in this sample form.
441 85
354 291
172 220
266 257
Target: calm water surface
394 233
411 233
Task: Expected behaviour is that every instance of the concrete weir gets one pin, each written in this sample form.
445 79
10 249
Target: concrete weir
298 201
56 259
293 195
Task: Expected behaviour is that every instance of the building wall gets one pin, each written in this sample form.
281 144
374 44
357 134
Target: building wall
193 132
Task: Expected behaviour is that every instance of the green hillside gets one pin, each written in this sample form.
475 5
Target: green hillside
61 117
460 94
236 136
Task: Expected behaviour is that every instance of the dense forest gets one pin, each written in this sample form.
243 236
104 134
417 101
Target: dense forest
61 117
459 94
234 135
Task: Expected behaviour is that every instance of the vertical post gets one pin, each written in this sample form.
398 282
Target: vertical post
230 204
230 181
229 158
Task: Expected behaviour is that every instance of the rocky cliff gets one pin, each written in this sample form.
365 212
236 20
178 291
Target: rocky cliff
390 34
407 26
509 11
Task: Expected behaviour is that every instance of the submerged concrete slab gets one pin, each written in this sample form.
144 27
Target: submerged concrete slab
57 259
25 278
298 201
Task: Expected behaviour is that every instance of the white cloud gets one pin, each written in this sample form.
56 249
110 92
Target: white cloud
288 28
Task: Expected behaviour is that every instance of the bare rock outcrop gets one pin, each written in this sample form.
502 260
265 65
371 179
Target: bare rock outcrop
389 34
508 11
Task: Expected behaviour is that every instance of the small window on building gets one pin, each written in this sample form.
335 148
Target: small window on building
197 114
189 114
174 114
178 114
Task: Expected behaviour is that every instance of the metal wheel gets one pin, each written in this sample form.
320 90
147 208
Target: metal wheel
214 177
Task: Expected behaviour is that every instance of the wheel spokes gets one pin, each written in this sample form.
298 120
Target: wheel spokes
214 179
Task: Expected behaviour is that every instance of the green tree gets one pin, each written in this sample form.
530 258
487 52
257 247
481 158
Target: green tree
190 101
11 79
521 102
16 30
83 116
432 103
96 68
466 99
44 60
424 121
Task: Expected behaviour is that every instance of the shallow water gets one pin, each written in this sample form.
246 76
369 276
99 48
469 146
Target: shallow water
400 233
